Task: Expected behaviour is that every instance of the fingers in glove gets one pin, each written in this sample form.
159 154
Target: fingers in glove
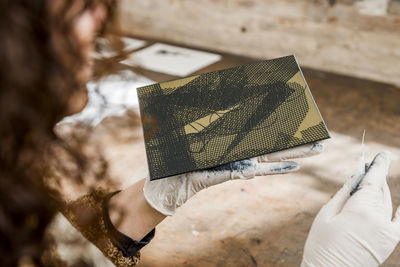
387 202
242 169
276 168
396 223
397 216
336 204
302 151
373 197
377 172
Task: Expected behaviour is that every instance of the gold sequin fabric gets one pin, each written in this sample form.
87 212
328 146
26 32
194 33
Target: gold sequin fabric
86 215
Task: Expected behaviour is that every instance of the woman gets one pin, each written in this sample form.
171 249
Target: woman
44 66
45 52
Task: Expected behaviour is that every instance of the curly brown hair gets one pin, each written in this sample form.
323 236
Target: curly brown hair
40 69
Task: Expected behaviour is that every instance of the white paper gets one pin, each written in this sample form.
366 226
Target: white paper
171 60
110 96
106 51
132 43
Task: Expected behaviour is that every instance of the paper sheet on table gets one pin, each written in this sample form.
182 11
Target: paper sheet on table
171 60
132 43
105 50
110 96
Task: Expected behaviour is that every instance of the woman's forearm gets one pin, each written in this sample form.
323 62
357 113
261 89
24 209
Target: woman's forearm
131 214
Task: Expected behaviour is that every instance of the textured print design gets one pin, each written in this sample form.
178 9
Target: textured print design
224 116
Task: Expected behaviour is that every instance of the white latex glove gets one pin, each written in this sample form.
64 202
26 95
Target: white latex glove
166 195
356 230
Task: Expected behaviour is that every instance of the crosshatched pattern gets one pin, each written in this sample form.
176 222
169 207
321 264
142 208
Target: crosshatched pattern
224 116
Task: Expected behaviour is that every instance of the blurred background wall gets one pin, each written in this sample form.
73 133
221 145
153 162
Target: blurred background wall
359 38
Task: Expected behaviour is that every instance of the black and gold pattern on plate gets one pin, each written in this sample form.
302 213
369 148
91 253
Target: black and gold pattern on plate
224 116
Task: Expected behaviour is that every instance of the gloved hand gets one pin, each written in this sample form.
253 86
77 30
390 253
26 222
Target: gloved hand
356 230
167 194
